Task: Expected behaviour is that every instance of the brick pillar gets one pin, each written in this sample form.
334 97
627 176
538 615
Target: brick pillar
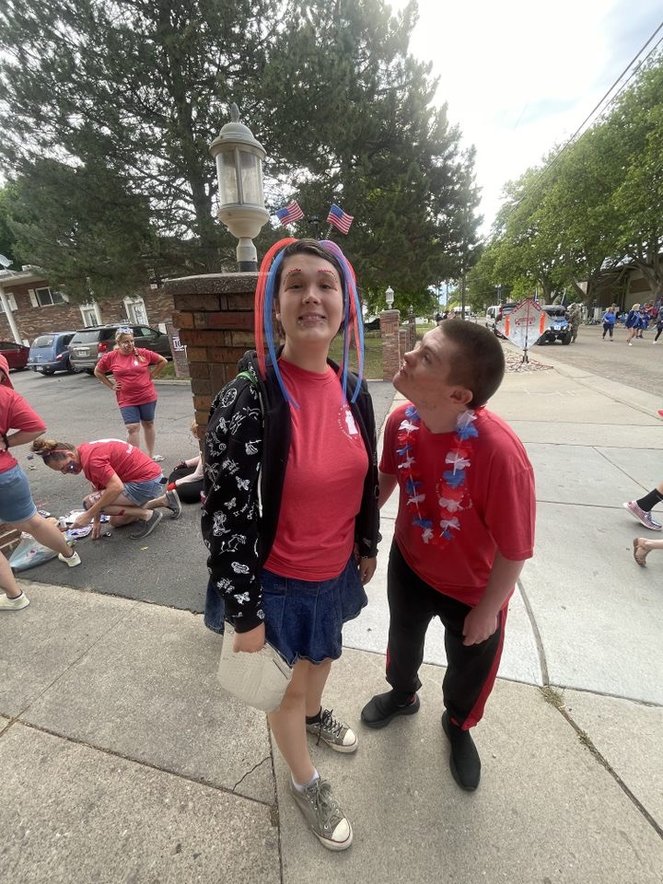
390 321
214 314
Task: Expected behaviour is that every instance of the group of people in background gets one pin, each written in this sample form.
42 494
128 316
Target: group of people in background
128 483
639 318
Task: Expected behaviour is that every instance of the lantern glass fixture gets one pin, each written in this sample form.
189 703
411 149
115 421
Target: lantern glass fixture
389 296
239 159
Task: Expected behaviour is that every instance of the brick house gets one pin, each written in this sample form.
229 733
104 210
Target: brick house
29 307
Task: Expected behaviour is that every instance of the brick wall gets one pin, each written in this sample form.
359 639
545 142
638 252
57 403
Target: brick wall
214 315
34 321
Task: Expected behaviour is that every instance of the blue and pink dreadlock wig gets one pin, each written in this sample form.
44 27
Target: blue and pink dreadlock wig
266 292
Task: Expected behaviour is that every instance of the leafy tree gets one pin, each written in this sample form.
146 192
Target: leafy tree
88 231
636 126
7 237
141 87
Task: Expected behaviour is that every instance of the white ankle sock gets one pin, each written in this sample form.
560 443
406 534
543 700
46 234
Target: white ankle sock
301 788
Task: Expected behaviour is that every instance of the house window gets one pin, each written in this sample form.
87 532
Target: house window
46 297
12 303
136 312
91 314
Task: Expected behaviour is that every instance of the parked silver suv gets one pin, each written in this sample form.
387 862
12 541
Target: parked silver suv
89 344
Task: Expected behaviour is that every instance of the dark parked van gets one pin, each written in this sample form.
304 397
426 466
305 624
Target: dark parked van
49 353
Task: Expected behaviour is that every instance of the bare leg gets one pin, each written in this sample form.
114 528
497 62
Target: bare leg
150 436
47 533
133 434
288 724
642 547
122 511
7 580
315 686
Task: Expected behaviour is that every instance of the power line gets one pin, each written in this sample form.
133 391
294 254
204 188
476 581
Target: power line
570 141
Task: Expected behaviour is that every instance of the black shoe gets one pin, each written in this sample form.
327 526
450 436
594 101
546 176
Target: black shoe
379 711
464 760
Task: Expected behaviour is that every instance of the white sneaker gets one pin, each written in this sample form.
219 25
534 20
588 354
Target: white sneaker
7 604
72 560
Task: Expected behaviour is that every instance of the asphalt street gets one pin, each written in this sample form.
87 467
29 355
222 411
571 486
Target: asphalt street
639 366
168 567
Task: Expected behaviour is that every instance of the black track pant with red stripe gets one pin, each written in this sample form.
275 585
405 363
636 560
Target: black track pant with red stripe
471 669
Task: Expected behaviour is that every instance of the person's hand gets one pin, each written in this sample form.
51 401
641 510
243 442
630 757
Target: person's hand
116 385
83 520
96 528
367 569
180 465
479 625
250 641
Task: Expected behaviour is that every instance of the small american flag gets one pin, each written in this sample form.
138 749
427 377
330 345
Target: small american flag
291 213
340 219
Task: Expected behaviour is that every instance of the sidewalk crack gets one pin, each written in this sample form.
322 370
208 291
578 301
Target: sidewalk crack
555 698
538 641
249 772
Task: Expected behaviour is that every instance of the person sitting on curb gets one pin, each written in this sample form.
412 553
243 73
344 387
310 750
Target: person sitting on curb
465 527
641 508
17 507
642 547
187 476
128 484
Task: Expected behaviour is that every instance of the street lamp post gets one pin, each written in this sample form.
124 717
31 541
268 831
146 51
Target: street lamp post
389 297
239 158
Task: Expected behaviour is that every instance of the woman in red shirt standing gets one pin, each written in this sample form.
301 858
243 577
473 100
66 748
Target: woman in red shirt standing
17 507
133 374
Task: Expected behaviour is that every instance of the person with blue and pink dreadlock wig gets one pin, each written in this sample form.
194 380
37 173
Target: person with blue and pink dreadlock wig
290 517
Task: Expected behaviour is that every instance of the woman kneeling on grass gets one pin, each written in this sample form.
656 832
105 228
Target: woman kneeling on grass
129 486
290 516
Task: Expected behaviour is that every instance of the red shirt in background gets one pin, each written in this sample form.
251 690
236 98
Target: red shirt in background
500 483
324 480
136 385
104 457
15 414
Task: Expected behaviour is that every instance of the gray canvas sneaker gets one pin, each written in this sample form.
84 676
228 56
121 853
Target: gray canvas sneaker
144 529
323 814
337 735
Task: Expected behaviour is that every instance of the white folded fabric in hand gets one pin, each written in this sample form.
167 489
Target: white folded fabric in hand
259 679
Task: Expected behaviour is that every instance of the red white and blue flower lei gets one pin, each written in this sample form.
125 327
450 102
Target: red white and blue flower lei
451 488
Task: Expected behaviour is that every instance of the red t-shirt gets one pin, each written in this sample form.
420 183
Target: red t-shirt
499 514
136 385
15 414
324 480
104 457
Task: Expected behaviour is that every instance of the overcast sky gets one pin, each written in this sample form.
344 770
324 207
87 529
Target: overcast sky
520 76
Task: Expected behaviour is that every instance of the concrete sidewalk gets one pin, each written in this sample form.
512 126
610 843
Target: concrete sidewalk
121 761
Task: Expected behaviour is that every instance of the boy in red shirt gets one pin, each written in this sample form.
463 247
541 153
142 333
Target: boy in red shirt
464 529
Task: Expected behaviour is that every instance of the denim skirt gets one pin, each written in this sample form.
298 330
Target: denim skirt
16 503
303 619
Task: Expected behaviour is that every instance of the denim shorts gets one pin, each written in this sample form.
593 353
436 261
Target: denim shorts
303 619
141 492
16 503
134 414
